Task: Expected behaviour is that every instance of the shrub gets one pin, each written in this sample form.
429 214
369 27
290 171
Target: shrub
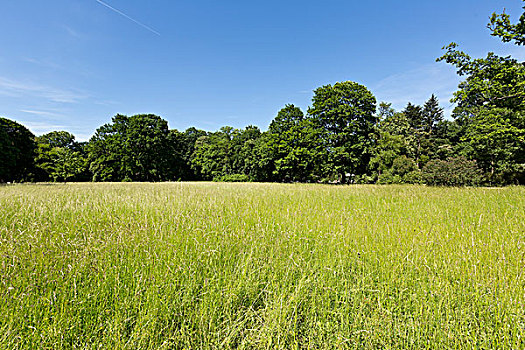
387 178
403 165
232 178
457 171
413 177
363 179
404 171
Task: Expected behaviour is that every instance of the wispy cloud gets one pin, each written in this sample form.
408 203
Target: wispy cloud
128 17
14 88
106 103
72 32
41 63
40 128
43 127
42 113
417 85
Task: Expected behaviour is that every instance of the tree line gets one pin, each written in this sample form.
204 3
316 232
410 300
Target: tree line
343 137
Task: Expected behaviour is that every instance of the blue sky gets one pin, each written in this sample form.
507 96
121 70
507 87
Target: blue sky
73 64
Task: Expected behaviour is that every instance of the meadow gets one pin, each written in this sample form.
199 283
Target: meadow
261 266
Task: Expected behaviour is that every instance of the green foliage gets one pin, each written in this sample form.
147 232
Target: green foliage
415 116
501 27
498 145
402 171
17 149
457 171
387 178
294 146
413 177
135 148
491 105
395 123
226 152
287 118
60 158
346 114
417 134
68 164
183 147
492 82
60 139
211 157
403 165
387 149
243 146
7 154
232 178
446 139
178 147
423 122
432 115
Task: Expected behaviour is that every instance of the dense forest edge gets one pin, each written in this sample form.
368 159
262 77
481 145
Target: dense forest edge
344 137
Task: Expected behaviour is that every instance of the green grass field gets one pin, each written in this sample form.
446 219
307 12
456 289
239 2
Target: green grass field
261 266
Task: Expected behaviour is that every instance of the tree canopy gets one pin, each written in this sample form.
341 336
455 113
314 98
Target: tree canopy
60 158
346 114
501 26
491 104
17 147
132 148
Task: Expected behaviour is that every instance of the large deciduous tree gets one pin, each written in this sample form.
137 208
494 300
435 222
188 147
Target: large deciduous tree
491 82
346 113
132 148
17 148
294 144
491 104
60 158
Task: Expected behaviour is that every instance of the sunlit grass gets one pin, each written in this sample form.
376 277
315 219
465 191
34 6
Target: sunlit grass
210 265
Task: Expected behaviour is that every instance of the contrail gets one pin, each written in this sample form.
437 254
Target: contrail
128 17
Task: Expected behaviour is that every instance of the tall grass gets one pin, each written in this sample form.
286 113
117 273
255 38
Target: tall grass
261 266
